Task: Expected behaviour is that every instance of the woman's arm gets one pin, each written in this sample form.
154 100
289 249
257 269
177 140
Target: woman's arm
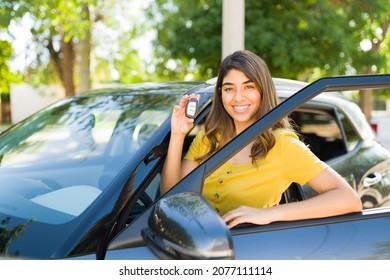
174 169
335 197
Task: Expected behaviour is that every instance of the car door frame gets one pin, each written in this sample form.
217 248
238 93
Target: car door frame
131 235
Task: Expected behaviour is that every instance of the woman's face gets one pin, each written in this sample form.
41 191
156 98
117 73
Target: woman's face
240 98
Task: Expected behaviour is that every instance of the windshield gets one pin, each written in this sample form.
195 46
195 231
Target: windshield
57 162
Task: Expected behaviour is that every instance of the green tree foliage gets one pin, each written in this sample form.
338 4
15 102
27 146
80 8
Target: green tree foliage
119 45
297 36
298 39
68 33
369 22
6 51
303 39
5 73
7 77
57 25
9 11
188 40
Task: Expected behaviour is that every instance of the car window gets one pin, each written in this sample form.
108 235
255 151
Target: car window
320 131
59 161
150 190
352 137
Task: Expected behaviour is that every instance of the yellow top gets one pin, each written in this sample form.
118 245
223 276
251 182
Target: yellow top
232 185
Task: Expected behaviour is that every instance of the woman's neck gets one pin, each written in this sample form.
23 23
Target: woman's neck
240 127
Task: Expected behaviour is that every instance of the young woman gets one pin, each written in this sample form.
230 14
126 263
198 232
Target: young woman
248 188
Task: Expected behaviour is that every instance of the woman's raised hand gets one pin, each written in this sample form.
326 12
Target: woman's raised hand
180 124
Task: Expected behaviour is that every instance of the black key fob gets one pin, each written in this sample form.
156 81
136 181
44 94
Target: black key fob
191 108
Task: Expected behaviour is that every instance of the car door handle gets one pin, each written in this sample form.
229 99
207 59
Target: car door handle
372 179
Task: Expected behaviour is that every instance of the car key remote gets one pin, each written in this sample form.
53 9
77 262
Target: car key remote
191 108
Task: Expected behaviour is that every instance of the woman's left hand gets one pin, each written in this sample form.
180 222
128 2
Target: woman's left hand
245 214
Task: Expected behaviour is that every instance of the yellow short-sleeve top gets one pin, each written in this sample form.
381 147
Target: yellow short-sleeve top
234 185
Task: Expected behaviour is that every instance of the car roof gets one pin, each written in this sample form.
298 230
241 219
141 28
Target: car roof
284 87
287 87
145 87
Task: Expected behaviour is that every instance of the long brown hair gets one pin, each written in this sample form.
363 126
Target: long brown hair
219 125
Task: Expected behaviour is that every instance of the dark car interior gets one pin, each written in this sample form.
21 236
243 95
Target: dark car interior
321 132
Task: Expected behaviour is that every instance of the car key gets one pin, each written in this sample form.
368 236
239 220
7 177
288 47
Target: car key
191 108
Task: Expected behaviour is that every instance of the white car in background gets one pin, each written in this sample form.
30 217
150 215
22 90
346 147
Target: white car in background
380 123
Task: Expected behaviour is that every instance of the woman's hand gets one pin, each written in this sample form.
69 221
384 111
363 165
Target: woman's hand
245 214
180 124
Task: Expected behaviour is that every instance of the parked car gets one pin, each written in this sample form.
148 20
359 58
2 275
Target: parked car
380 122
80 179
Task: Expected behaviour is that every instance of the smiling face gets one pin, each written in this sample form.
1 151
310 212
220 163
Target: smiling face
241 98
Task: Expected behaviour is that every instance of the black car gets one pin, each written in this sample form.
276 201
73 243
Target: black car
80 179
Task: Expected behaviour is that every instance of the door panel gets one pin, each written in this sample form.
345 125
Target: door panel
363 239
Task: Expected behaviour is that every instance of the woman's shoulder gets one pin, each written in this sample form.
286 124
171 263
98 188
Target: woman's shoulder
200 138
201 135
288 139
285 133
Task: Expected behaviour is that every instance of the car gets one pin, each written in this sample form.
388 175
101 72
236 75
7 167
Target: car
380 121
80 179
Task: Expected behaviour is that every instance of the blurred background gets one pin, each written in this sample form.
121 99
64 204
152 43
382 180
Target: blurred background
56 48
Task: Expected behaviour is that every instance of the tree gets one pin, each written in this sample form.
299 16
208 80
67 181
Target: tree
61 26
370 22
122 52
7 77
292 36
5 73
188 37
85 51
301 40
57 27
296 37
67 37
6 51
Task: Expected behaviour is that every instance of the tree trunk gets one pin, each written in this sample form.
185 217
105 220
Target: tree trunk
85 53
64 63
67 65
366 102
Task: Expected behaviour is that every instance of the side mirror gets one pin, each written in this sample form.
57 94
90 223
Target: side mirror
185 226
